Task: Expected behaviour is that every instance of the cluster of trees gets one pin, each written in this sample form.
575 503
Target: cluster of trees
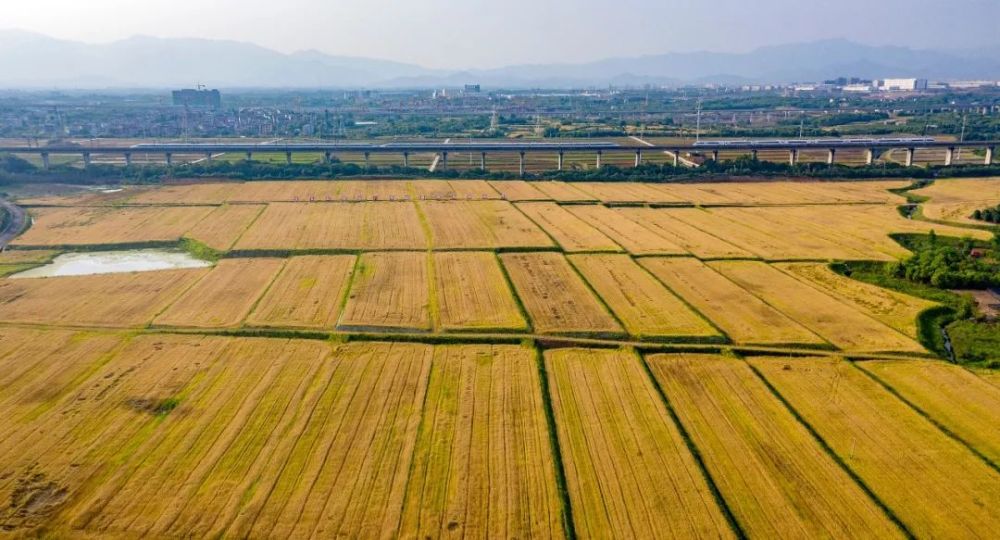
950 264
989 215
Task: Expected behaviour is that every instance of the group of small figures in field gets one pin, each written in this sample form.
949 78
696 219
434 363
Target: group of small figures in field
989 215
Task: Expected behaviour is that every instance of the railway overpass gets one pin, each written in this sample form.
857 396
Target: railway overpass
871 148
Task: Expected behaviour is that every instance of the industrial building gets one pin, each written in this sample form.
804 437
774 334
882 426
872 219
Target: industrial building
902 85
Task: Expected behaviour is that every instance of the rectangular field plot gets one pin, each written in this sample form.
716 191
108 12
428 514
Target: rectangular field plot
472 293
107 300
26 256
642 303
220 229
564 192
895 309
349 226
307 293
838 323
269 438
471 189
776 478
100 226
627 192
956 398
556 299
629 234
481 225
741 315
483 465
390 292
201 193
700 243
224 296
954 200
628 470
571 232
518 190
932 483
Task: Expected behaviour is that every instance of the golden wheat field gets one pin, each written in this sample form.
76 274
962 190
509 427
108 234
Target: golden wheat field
404 358
925 477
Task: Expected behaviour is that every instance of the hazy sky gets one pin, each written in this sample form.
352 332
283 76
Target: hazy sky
474 33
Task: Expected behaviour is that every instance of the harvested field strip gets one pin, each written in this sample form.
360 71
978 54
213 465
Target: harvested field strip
806 242
838 323
563 192
556 299
692 239
518 190
892 308
628 469
472 293
630 235
776 478
390 291
760 244
952 396
571 232
220 229
483 465
105 300
225 296
471 189
627 192
353 226
271 438
202 193
932 483
741 315
642 303
308 293
481 225
102 226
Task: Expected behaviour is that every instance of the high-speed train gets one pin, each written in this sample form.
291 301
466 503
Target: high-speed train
814 142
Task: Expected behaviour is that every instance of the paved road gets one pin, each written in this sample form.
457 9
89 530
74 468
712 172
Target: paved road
18 219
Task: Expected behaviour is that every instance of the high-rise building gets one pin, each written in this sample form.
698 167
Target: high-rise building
198 98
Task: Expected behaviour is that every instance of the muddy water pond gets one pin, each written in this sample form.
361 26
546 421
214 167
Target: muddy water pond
113 262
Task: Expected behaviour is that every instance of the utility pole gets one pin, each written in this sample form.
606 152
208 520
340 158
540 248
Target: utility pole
697 129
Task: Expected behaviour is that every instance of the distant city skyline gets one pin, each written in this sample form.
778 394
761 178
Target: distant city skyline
457 34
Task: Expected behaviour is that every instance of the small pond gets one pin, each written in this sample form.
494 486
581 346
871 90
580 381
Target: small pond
112 262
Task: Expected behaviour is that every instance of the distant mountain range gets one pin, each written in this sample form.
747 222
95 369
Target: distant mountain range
29 60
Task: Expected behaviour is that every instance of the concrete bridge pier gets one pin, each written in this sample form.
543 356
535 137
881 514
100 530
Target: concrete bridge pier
869 156
86 159
793 157
677 157
949 156
715 155
327 157
288 158
521 163
406 160
560 164
482 161
909 156
368 162
753 155
444 161
599 159
208 157
989 155
638 158
249 156
831 156
45 161
128 159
